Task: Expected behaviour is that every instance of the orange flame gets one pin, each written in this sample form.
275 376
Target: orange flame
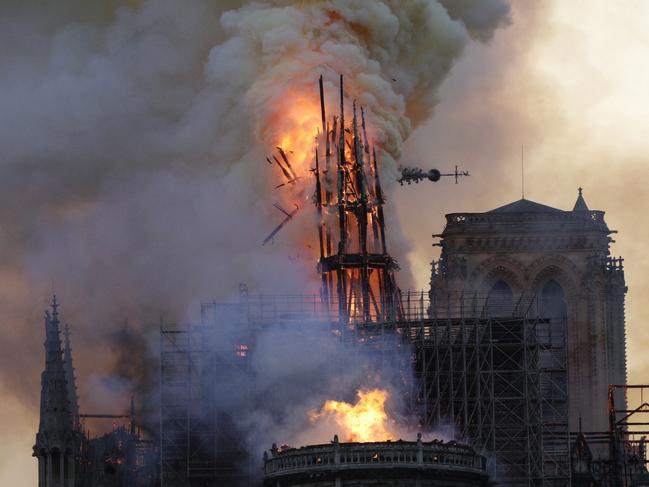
298 122
293 126
362 422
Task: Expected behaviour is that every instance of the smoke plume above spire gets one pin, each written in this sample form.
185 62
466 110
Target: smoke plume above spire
136 128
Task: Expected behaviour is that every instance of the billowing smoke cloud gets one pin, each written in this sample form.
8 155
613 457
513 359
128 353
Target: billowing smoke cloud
133 135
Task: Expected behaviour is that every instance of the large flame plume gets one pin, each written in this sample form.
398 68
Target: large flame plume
299 119
364 421
301 122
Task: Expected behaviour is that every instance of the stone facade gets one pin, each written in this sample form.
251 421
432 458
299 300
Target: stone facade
555 263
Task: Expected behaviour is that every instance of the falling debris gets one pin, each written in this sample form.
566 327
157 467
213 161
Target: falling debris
288 217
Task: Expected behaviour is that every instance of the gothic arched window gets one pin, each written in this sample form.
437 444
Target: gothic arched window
553 301
500 300
553 308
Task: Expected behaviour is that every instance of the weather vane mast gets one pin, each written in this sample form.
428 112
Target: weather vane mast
414 175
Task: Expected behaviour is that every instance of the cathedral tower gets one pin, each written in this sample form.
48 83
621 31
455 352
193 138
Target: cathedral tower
558 262
57 439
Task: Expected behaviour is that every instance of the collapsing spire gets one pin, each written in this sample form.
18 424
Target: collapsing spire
357 271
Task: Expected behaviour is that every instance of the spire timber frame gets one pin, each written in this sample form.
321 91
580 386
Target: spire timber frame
354 262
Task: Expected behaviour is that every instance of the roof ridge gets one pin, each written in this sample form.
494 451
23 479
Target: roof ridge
525 206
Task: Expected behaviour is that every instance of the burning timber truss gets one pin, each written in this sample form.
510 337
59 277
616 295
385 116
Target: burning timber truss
353 257
500 376
356 269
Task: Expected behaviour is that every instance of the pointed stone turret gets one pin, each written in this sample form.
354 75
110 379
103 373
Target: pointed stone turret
56 440
55 406
580 204
73 398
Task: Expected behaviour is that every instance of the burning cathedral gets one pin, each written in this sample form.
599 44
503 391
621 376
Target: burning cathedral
519 346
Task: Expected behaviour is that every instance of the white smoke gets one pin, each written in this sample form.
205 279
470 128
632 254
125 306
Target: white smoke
394 55
133 133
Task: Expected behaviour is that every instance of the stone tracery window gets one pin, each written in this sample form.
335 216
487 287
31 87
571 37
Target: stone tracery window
552 304
553 301
500 300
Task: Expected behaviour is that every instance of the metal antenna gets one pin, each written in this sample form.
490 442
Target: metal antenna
522 172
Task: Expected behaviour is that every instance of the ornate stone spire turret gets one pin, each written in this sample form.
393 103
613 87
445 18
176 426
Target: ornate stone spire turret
70 378
55 405
580 204
56 440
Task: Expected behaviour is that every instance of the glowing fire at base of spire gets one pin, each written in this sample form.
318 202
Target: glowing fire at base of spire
361 422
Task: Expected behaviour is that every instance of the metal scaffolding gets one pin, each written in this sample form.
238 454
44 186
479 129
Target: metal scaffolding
199 444
628 411
497 371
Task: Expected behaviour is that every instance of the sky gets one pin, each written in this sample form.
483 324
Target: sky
566 80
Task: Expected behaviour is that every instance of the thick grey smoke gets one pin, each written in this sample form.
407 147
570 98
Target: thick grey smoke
292 368
282 393
133 133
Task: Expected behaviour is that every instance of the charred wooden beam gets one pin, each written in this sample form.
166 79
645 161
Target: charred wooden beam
288 217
